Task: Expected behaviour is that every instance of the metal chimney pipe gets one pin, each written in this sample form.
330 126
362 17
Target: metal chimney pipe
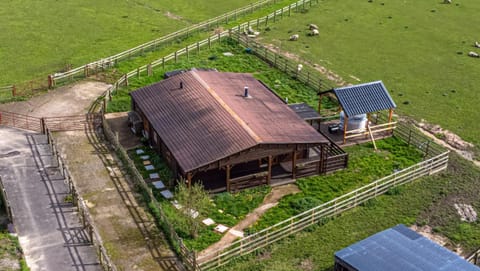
245 94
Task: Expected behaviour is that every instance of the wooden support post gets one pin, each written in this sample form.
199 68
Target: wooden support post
321 163
258 22
228 168
198 47
320 97
367 124
345 127
390 116
138 72
163 63
289 10
371 137
269 176
294 164
43 127
85 70
176 57
186 50
275 16
189 179
14 90
209 44
126 80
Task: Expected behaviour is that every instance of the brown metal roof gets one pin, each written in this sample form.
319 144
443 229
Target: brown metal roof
209 119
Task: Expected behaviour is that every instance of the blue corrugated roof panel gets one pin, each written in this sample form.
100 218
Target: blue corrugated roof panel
364 98
401 249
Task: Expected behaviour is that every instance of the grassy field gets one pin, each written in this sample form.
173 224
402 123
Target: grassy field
418 48
429 200
41 37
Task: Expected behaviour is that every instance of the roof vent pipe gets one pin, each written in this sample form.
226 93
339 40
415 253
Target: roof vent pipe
245 93
181 85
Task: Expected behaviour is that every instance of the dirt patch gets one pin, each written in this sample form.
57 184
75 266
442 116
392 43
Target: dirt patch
307 265
271 200
119 124
332 76
132 239
448 140
427 232
63 101
466 212
9 264
173 16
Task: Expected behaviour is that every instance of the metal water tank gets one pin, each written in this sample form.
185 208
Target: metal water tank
357 122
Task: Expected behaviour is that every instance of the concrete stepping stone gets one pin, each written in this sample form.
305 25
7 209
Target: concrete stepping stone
167 194
220 228
236 233
140 151
154 176
147 162
192 213
208 221
145 157
149 167
159 185
177 205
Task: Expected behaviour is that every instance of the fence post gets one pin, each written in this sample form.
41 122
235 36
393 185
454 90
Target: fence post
14 90
126 80
186 51
50 81
175 56
409 137
149 67
289 9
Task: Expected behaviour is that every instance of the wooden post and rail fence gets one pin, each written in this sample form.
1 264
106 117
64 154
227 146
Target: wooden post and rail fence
6 202
474 258
102 64
187 256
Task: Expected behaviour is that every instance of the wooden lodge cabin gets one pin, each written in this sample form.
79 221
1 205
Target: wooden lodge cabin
229 131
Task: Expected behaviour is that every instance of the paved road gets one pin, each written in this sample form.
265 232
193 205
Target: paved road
49 229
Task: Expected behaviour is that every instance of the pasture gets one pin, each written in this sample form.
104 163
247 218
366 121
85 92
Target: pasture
42 37
418 48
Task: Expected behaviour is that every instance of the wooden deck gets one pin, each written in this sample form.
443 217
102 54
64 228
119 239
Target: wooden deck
338 136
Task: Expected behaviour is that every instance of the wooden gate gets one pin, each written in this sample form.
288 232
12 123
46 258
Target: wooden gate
72 123
20 121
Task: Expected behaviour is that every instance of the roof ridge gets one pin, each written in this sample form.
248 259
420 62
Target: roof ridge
361 85
225 106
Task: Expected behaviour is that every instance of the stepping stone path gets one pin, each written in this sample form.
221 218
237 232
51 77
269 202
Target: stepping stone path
158 185
167 194
221 228
154 176
208 222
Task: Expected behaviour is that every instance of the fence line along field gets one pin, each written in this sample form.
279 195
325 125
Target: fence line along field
42 37
418 48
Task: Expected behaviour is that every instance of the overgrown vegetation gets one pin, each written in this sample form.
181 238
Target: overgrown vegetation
429 200
10 252
365 166
224 208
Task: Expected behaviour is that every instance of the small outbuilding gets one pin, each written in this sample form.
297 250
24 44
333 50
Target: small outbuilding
357 104
229 131
399 249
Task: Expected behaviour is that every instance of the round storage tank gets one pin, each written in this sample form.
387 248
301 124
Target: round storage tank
354 123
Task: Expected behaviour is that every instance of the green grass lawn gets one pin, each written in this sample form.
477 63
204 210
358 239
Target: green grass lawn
429 200
10 252
42 37
365 166
418 48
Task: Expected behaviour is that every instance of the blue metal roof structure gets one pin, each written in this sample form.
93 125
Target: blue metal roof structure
364 98
400 249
